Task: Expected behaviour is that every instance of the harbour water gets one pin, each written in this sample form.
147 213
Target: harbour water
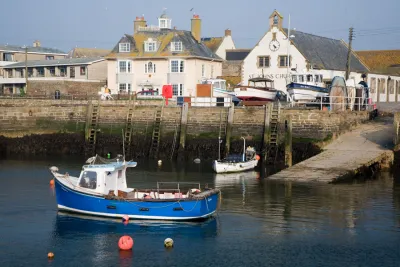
261 223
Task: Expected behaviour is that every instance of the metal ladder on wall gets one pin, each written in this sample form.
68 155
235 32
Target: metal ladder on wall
155 140
273 145
129 130
91 130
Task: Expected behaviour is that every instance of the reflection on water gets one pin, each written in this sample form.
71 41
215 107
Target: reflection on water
260 222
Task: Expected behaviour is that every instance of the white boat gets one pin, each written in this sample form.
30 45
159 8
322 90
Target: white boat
307 87
219 88
237 163
259 91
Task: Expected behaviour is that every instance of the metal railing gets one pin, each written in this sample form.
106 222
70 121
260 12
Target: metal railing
337 103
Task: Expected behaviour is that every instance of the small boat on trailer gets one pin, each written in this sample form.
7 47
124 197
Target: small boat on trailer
307 87
237 163
101 190
258 92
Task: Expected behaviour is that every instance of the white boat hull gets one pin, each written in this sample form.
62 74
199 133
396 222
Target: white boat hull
227 167
254 94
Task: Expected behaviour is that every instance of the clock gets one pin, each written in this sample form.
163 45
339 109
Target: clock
274 45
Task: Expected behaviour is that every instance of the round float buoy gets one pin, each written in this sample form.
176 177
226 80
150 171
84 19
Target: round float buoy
258 157
197 160
50 255
168 243
52 182
125 243
159 162
125 218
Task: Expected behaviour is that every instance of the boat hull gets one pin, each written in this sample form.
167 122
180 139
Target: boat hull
302 92
71 200
255 94
230 167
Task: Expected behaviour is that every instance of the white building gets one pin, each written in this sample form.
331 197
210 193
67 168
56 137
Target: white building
157 55
325 55
219 45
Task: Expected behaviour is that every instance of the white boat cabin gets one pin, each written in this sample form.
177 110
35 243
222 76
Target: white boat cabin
309 79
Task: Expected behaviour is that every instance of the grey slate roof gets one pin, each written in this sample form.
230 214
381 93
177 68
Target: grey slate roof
44 50
55 62
191 48
237 54
325 53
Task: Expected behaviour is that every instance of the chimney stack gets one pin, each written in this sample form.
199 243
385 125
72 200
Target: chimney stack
228 32
196 28
139 22
36 43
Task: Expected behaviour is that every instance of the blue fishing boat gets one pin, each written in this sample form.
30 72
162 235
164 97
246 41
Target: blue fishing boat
101 190
307 87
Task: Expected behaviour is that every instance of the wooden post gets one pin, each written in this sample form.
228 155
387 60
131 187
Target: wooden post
231 113
182 135
267 130
396 85
288 142
396 124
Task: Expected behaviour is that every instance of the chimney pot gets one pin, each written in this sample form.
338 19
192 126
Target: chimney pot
196 16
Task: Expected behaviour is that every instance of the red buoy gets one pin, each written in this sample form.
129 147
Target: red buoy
125 242
52 182
258 157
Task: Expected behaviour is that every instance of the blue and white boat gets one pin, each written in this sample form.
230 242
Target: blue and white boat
101 190
307 87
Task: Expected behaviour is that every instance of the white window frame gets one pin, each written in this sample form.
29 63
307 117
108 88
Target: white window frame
127 68
124 47
178 88
150 67
150 44
179 67
176 46
127 87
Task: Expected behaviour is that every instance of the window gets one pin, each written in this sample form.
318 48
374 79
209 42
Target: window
309 78
283 61
30 72
49 57
124 87
40 72
150 46
63 71
8 57
398 86
301 78
382 85
373 85
83 71
9 73
150 68
212 71
294 78
263 62
52 71
203 70
176 46
276 20
177 66
124 66
88 180
391 86
177 89
124 47
317 79
72 72
19 73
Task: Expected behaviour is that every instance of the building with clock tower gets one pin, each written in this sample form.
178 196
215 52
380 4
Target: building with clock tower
269 57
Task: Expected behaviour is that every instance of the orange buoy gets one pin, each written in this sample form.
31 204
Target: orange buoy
125 243
258 157
50 255
52 182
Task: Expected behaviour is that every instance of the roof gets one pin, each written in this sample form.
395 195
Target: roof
212 42
381 61
80 52
38 50
164 37
56 62
325 53
237 54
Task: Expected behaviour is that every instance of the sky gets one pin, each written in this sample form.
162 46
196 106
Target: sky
101 23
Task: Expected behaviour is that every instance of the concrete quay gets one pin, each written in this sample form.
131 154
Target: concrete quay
348 155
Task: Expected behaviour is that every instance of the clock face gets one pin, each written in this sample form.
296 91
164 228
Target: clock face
274 45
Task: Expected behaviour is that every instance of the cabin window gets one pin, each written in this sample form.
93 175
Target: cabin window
88 180
216 85
301 78
119 173
309 78
223 85
294 78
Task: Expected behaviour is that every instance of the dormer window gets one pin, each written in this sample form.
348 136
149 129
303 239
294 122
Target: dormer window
124 47
150 46
176 47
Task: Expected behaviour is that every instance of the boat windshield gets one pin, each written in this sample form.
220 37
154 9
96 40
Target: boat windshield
88 180
234 158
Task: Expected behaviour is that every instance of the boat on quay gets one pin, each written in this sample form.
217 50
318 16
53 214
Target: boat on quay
101 190
258 92
307 87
